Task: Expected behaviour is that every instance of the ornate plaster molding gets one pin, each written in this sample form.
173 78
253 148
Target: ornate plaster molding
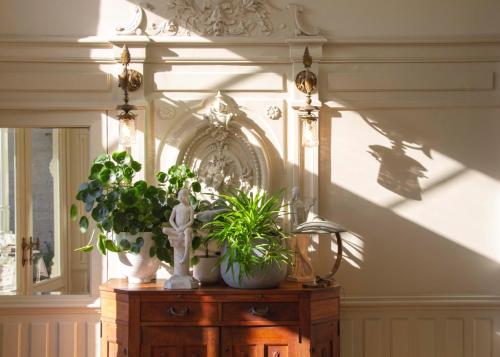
220 153
133 27
301 29
217 18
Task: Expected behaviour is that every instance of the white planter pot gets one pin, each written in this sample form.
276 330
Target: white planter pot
139 268
207 270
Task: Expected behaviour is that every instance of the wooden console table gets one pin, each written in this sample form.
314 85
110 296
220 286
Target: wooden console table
147 321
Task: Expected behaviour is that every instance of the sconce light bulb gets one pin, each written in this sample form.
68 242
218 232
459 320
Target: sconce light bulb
127 132
310 133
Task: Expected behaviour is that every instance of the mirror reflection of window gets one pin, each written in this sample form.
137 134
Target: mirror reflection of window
40 172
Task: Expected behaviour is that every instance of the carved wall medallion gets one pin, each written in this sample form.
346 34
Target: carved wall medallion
273 112
220 153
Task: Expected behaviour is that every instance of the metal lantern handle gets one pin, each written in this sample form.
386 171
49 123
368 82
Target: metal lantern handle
338 260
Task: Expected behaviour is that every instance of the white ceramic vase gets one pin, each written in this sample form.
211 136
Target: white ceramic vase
139 268
207 271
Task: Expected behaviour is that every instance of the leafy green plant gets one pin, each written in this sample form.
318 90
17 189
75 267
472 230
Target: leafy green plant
249 232
118 205
170 182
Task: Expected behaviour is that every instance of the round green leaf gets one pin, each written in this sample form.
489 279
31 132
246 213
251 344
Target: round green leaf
94 171
136 165
129 197
119 157
99 212
104 175
196 186
128 173
141 186
110 245
124 244
161 177
110 164
84 224
101 158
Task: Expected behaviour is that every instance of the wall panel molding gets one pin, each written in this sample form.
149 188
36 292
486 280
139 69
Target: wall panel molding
55 81
464 326
414 80
213 81
451 301
64 333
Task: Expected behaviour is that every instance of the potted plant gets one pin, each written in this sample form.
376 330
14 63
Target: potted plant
128 215
205 268
254 254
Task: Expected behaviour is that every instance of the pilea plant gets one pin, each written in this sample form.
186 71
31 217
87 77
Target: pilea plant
117 204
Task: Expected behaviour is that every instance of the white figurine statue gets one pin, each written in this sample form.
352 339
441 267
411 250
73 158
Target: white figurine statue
180 235
302 268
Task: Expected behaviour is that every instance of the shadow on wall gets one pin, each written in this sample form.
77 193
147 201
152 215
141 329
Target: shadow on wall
398 172
395 248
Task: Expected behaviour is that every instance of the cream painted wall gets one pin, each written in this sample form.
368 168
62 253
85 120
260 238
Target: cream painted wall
341 20
422 280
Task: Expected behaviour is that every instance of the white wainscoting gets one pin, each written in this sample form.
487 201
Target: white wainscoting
420 327
54 332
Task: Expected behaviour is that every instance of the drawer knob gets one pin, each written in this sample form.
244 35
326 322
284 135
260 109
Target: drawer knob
259 312
179 313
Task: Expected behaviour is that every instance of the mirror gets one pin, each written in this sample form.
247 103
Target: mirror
40 172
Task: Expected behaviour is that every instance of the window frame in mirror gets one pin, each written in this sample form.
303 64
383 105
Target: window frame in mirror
97 123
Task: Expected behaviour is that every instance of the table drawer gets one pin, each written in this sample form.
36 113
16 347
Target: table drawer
203 313
260 311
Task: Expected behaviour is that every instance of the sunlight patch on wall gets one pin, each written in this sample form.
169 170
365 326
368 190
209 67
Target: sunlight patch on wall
464 210
454 201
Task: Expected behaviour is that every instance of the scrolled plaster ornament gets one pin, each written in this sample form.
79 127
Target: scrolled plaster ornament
300 28
273 112
221 112
165 111
132 28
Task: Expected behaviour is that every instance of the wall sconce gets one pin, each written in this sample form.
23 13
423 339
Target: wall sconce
306 82
130 80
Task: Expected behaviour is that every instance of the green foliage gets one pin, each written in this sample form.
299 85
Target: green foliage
249 232
178 176
171 182
116 204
